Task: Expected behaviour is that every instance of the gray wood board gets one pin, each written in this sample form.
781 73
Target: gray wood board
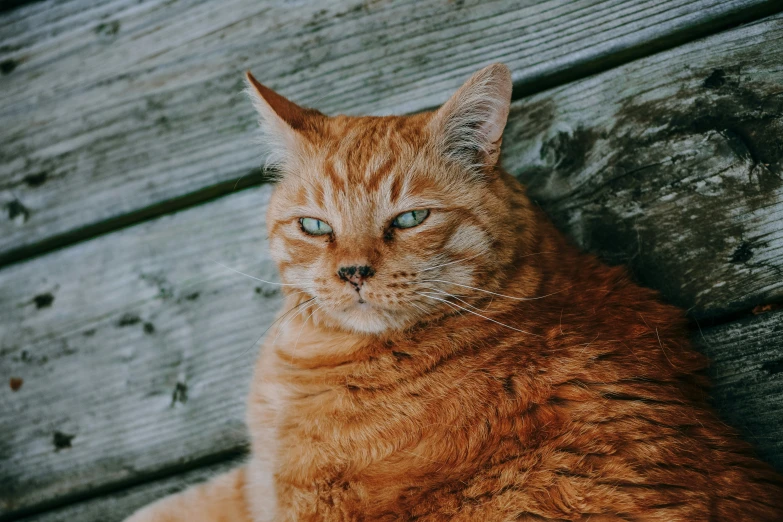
672 164
116 506
115 111
134 350
747 369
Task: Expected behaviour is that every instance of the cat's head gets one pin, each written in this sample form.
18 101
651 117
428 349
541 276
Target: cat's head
390 221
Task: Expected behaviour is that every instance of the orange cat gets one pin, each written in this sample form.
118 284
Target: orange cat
445 354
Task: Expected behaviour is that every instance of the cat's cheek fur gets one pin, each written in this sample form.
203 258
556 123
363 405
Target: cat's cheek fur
278 250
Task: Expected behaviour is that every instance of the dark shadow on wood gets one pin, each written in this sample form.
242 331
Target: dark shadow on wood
234 455
7 5
704 28
252 179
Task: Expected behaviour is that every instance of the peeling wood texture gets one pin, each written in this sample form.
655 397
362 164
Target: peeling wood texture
136 107
672 164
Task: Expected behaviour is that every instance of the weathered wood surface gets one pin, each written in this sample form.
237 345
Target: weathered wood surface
115 111
135 347
672 164
747 369
134 350
114 507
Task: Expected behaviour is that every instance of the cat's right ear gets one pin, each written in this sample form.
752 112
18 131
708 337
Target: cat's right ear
283 123
468 128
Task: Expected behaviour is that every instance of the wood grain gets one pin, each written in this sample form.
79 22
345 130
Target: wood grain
117 111
134 351
747 369
672 164
114 507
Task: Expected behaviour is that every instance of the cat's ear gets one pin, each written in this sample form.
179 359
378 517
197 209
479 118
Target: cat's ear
468 128
283 123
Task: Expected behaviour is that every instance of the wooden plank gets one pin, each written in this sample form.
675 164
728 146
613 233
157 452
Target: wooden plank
134 351
747 370
116 506
135 108
672 164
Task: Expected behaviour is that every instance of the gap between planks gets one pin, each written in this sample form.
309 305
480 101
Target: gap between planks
220 459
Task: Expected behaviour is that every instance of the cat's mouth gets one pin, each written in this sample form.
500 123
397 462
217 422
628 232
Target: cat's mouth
361 300
360 303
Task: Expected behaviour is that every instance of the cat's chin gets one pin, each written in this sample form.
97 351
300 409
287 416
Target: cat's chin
368 319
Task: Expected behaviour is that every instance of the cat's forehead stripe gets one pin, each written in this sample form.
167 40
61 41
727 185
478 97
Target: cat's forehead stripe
378 174
367 151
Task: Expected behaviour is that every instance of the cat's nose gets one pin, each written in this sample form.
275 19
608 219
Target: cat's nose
356 275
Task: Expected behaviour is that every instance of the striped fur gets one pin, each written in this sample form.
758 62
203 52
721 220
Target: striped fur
493 373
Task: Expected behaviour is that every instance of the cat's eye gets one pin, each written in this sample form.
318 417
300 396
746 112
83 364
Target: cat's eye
411 218
315 227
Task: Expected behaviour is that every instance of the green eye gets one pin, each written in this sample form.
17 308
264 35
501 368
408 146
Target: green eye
411 218
315 227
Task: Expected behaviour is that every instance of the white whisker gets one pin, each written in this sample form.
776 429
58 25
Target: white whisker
311 303
455 297
457 261
304 323
537 254
276 320
453 306
419 307
480 315
487 291
251 277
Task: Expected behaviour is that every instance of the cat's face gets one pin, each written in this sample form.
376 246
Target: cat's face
380 219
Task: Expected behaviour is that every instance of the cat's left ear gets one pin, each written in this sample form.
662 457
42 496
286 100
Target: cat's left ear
284 124
468 128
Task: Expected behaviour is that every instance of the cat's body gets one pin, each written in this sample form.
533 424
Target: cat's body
480 368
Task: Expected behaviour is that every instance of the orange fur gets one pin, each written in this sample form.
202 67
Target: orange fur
492 373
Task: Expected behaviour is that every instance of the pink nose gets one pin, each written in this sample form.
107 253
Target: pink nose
356 275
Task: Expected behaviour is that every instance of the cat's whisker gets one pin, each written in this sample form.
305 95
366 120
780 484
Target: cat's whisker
252 277
482 316
451 305
304 323
442 292
537 254
454 262
488 291
311 303
275 322
422 310
455 308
